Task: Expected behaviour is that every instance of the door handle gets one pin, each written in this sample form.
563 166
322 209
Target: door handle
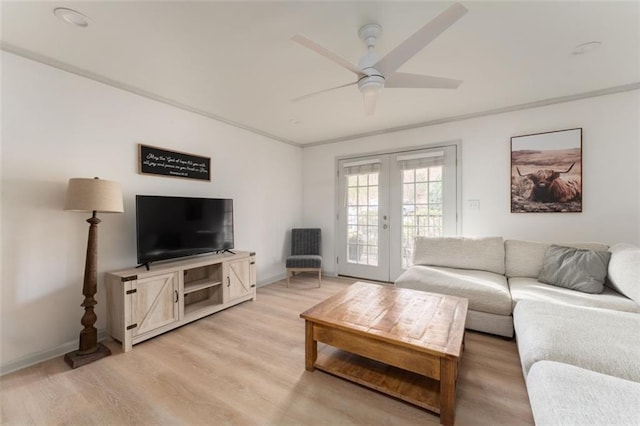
176 293
228 281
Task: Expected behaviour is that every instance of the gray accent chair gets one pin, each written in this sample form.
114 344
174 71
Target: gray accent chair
305 252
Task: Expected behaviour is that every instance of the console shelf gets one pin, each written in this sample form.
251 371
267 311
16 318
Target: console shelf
194 310
142 304
199 285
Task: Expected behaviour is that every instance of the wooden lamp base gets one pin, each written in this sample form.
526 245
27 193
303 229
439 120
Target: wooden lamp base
75 360
89 349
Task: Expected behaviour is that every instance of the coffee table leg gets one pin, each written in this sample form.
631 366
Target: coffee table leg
448 373
310 347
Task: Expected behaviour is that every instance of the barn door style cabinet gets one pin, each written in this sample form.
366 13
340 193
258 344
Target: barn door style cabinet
142 304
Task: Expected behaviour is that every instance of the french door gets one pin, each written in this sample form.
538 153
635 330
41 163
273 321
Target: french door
363 217
384 201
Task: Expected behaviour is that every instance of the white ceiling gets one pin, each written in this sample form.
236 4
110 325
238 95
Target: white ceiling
235 60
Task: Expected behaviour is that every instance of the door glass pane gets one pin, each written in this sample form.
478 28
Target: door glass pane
352 234
362 202
422 207
352 197
422 175
373 196
372 258
409 193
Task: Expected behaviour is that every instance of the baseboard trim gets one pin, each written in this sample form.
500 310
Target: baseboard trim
283 276
46 355
262 283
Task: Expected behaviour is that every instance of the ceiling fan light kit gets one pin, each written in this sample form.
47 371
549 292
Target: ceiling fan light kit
374 73
370 87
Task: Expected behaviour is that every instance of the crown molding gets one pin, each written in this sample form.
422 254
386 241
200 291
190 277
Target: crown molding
495 111
135 90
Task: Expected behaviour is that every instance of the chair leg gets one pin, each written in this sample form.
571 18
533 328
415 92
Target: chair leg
287 278
319 278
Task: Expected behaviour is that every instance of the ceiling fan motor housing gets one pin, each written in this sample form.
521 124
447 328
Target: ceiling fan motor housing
371 83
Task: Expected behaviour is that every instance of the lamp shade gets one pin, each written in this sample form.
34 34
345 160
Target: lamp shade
86 195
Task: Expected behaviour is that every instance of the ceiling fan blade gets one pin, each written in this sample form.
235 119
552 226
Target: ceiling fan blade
425 35
299 98
300 39
405 80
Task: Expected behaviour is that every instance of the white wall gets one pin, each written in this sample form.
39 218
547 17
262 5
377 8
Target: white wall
611 176
56 125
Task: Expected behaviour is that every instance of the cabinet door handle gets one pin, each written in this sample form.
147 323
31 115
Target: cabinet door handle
176 293
228 281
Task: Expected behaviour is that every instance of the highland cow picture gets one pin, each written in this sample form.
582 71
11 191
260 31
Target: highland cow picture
546 172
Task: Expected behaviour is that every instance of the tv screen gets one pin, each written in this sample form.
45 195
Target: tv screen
170 227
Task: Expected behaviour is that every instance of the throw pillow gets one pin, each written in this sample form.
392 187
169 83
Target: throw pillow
575 269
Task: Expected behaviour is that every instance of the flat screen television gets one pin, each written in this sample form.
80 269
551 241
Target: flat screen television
171 227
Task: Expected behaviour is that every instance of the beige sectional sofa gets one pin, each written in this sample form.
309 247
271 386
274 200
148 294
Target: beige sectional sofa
523 260
581 365
563 394
466 267
495 274
580 352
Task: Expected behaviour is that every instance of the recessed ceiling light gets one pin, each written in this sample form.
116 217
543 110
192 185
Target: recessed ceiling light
71 16
294 121
586 47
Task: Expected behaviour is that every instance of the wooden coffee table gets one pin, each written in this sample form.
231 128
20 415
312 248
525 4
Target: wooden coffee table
405 343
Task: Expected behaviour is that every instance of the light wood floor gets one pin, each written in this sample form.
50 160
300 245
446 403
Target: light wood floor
245 366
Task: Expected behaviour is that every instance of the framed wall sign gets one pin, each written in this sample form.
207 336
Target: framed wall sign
546 172
161 162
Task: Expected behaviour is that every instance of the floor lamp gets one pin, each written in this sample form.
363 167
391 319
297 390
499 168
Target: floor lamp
91 195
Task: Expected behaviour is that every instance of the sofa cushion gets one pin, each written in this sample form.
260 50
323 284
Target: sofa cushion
575 269
483 254
624 270
532 289
524 258
601 340
562 394
486 291
501 325
304 261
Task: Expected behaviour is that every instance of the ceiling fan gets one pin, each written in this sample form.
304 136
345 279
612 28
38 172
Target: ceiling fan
373 73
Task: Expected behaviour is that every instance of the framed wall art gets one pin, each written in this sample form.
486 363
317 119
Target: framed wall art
546 172
158 161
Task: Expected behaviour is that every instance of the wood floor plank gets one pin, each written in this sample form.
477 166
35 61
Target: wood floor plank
246 366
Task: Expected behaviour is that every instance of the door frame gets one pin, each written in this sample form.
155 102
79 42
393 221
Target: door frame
458 150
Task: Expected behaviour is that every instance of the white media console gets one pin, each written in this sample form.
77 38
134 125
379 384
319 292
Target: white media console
144 303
